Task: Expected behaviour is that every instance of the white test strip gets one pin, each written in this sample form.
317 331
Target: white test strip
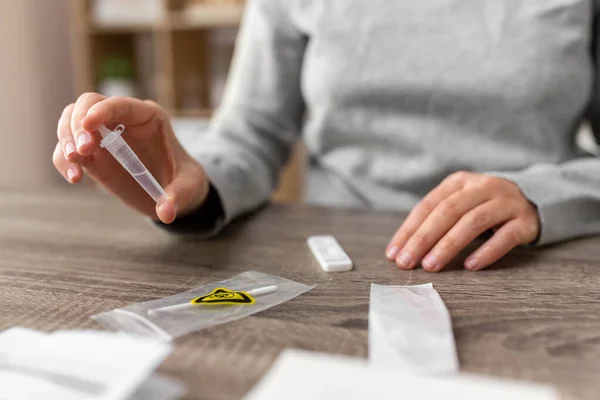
329 254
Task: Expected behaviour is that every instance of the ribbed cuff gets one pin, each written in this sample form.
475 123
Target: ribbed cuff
206 221
535 187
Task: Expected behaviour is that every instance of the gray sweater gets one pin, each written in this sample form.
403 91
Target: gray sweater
392 96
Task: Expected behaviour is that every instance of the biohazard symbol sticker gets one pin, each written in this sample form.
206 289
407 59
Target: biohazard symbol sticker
224 296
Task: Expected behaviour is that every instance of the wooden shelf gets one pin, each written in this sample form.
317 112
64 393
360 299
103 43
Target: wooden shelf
100 28
200 17
200 113
174 60
207 16
180 23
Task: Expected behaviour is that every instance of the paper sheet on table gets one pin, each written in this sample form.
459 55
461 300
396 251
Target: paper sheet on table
159 387
300 375
78 365
410 329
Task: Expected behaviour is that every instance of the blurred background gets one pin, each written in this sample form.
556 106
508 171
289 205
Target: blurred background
176 52
35 83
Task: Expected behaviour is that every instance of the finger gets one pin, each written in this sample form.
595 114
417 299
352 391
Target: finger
123 110
438 223
509 236
70 171
167 210
85 141
183 194
65 137
468 228
422 210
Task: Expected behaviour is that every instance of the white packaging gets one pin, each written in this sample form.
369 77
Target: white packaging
410 329
159 387
77 365
302 375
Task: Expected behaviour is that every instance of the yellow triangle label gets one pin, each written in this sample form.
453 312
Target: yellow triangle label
224 296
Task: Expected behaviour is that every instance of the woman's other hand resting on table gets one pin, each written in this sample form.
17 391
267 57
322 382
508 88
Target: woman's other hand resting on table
455 213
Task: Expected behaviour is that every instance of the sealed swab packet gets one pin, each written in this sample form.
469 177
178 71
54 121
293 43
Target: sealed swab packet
410 330
203 307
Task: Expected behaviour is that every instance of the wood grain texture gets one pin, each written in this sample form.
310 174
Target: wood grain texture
66 256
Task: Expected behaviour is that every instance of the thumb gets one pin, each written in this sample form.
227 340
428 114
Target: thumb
167 210
184 194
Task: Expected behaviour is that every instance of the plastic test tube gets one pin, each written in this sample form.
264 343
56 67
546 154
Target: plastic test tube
263 291
118 147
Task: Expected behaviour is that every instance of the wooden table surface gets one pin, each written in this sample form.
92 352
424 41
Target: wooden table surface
65 256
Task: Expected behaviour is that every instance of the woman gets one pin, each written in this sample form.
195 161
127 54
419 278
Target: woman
392 98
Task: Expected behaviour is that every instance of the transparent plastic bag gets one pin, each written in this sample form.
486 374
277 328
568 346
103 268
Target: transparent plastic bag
215 303
410 329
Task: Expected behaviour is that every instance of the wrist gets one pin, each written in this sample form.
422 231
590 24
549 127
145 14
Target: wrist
200 188
206 219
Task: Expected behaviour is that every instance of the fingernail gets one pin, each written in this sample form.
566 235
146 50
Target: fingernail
69 149
405 259
392 252
430 263
472 264
83 138
71 174
176 207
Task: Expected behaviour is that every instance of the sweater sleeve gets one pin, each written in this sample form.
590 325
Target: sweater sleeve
567 195
251 136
